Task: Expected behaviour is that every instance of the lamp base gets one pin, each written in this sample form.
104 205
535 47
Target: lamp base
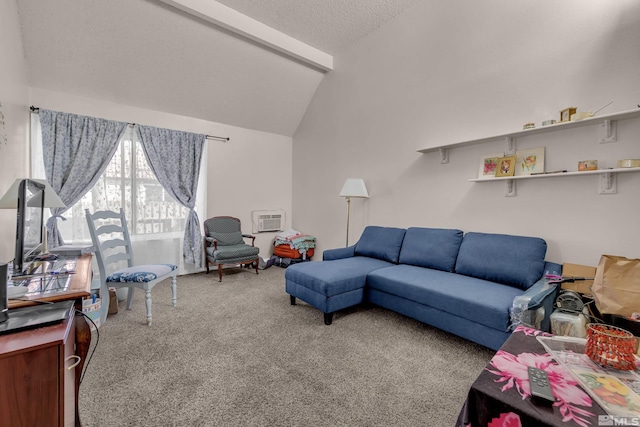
348 212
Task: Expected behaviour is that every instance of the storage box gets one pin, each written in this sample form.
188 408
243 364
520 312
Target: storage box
576 270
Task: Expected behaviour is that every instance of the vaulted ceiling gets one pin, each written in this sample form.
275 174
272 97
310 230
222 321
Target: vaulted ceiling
160 55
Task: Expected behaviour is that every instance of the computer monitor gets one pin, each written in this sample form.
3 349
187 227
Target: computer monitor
3 293
29 233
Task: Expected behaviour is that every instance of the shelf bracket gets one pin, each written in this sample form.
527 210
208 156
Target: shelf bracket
608 131
511 145
444 155
511 188
608 183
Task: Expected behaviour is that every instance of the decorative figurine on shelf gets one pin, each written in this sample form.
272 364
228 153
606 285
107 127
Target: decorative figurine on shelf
565 115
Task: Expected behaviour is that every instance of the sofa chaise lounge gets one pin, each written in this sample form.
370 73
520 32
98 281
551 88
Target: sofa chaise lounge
475 285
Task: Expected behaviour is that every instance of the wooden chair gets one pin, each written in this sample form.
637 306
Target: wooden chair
224 244
111 238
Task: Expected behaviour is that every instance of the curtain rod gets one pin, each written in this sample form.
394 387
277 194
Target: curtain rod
217 138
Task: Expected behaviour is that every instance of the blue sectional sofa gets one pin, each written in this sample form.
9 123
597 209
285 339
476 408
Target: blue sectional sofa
474 285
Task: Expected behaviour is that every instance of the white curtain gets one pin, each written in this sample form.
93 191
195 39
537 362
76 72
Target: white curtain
156 221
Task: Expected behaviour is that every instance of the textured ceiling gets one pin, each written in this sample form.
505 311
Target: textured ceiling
328 25
147 54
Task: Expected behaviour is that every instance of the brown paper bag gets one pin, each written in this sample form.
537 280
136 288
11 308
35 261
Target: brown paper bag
616 287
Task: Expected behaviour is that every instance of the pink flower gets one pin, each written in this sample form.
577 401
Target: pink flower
508 419
565 388
490 165
512 370
531 331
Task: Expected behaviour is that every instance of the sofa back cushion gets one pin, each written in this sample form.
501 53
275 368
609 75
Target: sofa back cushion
435 248
510 260
380 242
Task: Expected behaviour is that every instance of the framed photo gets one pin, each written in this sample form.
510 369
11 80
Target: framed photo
529 161
587 165
488 165
506 166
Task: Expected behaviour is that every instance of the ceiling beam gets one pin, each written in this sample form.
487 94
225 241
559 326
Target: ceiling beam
234 21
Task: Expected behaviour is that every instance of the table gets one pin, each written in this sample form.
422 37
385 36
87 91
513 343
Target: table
500 396
77 288
73 287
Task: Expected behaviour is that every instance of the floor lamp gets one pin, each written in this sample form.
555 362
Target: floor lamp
353 187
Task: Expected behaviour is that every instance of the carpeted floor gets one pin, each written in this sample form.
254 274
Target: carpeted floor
237 353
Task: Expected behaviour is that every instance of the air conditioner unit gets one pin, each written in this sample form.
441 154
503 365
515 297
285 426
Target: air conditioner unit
265 221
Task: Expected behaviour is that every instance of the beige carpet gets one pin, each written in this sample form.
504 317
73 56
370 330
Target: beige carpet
237 353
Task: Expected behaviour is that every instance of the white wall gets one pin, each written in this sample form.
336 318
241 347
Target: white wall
457 70
13 97
250 172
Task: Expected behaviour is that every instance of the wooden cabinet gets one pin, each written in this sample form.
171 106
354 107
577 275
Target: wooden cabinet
40 368
38 376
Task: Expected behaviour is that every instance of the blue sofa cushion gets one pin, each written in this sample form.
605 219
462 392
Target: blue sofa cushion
380 242
511 260
481 301
431 248
331 278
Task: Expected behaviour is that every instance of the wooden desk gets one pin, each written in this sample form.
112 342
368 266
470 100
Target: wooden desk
77 288
28 349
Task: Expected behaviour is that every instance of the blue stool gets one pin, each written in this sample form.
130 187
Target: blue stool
330 286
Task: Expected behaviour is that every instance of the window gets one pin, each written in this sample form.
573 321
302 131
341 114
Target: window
128 182
155 220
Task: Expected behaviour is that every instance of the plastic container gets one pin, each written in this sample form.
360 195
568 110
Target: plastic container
92 311
568 324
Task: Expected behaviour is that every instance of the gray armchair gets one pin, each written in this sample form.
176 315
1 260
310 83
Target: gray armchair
224 244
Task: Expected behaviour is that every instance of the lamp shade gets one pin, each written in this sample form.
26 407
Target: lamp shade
354 187
10 198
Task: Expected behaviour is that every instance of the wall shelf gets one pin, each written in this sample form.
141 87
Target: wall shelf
607 132
607 185
605 122
555 175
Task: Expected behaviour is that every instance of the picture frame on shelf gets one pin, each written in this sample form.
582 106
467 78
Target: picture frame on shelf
506 166
587 165
529 161
488 165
